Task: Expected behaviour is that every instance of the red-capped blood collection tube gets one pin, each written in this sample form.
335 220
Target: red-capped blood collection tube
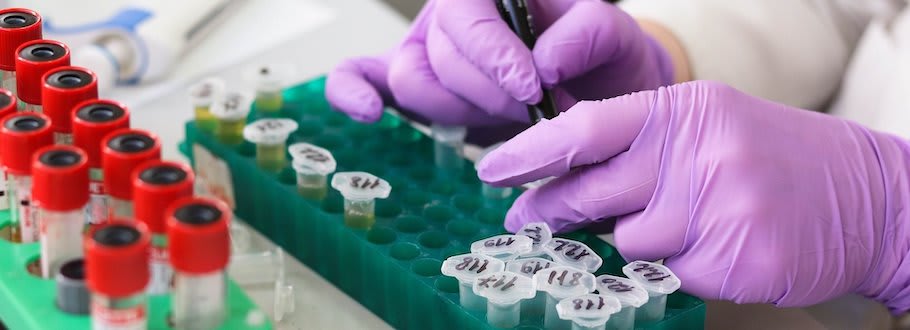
21 134
64 88
17 26
92 121
33 60
117 271
60 191
157 184
121 152
7 107
199 246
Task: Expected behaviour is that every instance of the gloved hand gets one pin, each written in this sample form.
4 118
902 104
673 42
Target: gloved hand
461 65
744 199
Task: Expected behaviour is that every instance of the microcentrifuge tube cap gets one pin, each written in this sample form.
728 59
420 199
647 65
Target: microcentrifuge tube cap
564 281
360 186
503 246
588 310
653 277
628 292
269 130
309 158
467 267
539 232
504 287
443 133
205 92
230 106
270 77
529 266
573 253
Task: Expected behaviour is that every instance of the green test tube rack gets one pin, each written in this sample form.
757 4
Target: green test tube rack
27 300
392 268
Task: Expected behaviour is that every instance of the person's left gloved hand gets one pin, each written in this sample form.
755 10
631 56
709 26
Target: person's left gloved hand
461 65
744 199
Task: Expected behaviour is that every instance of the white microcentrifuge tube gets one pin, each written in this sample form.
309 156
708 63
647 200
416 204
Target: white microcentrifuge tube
269 80
202 95
659 281
313 165
630 295
573 253
559 283
270 136
360 191
466 268
504 292
528 267
540 233
489 192
588 311
448 148
230 113
505 247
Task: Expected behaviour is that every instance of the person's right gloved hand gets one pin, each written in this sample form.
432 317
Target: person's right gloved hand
460 64
744 199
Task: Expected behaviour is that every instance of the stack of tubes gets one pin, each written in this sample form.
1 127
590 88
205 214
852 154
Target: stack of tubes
95 195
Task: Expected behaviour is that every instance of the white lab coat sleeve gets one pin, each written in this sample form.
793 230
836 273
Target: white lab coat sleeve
790 51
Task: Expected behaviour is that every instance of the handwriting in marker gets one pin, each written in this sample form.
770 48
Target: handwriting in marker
616 286
536 234
499 242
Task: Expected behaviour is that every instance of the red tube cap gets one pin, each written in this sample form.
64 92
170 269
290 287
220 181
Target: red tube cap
117 258
21 134
33 60
157 184
60 178
63 89
92 121
121 152
197 235
7 103
17 26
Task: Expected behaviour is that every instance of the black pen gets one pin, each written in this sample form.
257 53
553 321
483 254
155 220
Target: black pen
516 15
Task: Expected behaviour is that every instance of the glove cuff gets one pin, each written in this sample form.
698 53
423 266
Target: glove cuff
888 282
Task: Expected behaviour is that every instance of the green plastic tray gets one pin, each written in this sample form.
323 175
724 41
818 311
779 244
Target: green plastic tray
27 301
393 268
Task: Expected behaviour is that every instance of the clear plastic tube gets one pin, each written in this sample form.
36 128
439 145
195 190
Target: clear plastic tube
21 215
504 316
270 156
63 138
97 210
551 316
123 313
359 213
120 208
32 108
4 200
199 300
160 266
8 80
61 238
312 185
448 148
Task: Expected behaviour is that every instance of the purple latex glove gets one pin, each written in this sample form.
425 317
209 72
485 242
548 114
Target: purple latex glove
746 200
461 65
